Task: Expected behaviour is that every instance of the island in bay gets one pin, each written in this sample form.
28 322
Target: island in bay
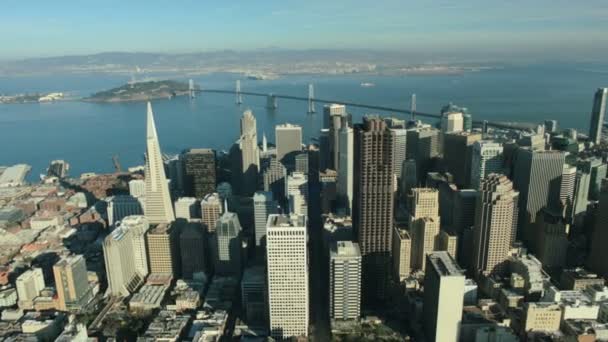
142 91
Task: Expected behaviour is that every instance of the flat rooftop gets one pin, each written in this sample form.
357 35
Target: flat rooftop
346 249
445 264
287 221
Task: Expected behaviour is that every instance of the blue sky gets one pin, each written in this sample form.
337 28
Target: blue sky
511 27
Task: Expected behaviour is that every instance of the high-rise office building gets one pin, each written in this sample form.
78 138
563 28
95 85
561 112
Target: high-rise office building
424 224
346 171
447 241
122 259
345 281
324 149
443 298
254 296
301 162
452 119
72 283
174 169
566 191
457 153
250 154
373 209
334 115
163 249
159 208
200 171
288 139
409 179
228 245
597 115
29 284
263 206
296 190
423 146
211 210
287 258
187 208
486 158
399 149
552 239
138 227
192 248
137 188
274 174
597 171
538 179
495 224
402 251
598 253
121 206
581 196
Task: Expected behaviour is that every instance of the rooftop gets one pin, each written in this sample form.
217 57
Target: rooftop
345 249
444 264
287 221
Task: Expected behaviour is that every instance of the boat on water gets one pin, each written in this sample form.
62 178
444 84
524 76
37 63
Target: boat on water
367 85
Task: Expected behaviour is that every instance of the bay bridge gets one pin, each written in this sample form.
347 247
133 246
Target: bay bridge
272 103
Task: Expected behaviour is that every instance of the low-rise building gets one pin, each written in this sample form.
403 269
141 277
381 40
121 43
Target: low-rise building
545 317
578 279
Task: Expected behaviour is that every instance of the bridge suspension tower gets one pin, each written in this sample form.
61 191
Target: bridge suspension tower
239 98
311 99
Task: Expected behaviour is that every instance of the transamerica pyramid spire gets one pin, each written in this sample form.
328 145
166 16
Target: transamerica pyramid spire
158 200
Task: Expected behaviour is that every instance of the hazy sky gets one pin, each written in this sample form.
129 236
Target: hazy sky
512 27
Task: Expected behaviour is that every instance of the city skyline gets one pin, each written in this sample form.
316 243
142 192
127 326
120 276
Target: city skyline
432 186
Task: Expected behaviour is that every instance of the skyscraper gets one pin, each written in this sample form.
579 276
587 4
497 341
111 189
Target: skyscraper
296 190
263 206
187 208
289 142
402 251
227 247
250 154
409 179
159 208
334 118
423 146
121 261
566 192
538 179
424 224
138 227
597 115
443 298
598 253
192 248
345 281
452 119
72 283
346 171
287 258
163 249
486 158
200 171
29 284
597 171
121 206
457 153
373 203
211 210
274 174
495 224
254 296
399 149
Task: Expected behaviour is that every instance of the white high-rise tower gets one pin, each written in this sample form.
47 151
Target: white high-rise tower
159 208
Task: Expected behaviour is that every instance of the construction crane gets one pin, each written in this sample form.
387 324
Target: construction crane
116 163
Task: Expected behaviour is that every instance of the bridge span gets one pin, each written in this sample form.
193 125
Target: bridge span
272 104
